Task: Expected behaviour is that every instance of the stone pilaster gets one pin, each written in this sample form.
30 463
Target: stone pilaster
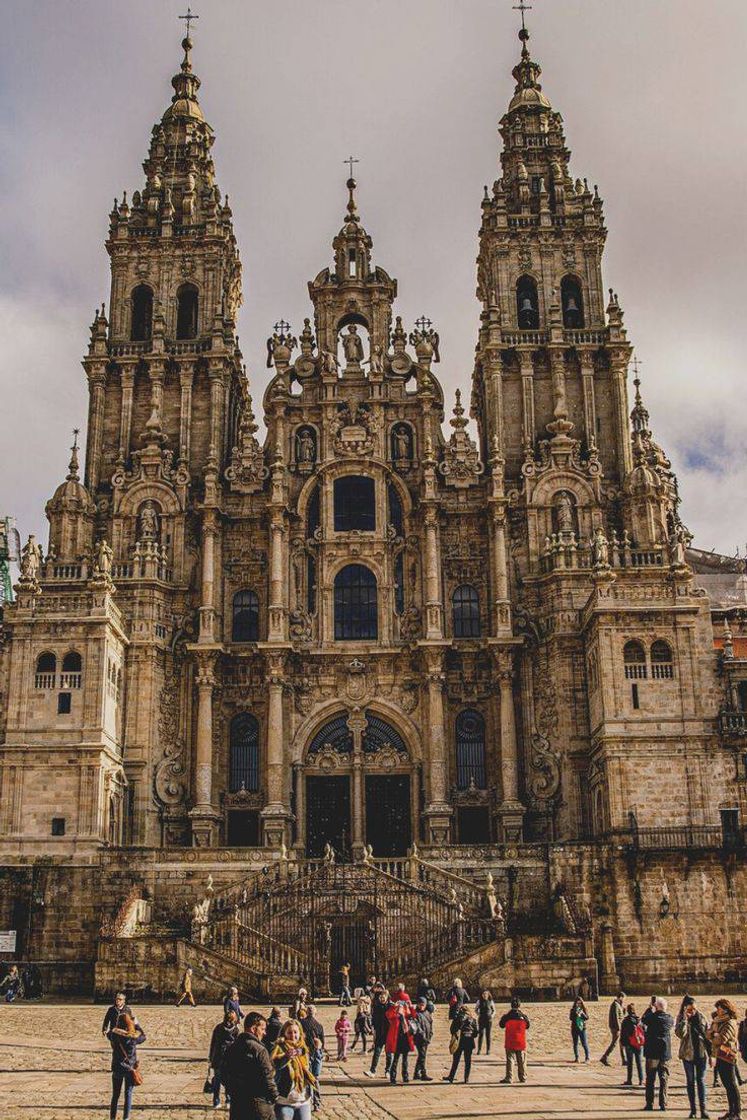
276 814
438 812
510 812
204 816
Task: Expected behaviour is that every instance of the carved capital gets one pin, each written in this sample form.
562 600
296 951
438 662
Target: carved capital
205 669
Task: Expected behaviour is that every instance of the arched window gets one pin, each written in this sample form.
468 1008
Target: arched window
527 304
395 509
634 657
572 302
245 627
186 311
354 503
335 734
742 696
142 314
356 615
72 670
46 671
244 754
312 513
662 666
378 734
470 750
465 604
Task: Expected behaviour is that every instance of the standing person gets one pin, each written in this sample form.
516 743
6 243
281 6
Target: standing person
614 1021
423 1031
424 989
313 1032
274 1026
119 1007
345 997
186 989
249 1074
12 984
464 1028
233 1003
343 1027
293 1075
300 1001
400 1042
632 1040
485 1011
457 998
691 1027
224 1035
724 1036
579 1017
125 1038
657 1051
516 1024
362 1022
380 1024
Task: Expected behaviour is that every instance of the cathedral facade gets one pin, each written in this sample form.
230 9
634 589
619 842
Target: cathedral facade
362 640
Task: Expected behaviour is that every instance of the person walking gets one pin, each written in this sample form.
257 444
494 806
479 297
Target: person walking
614 1021
380 1024
343 1027
422 1026
124 1037
424 989
485 1011
186 989
274 1026
657 1051
723 1035
233 1003
516 1024
248 1073
345 997
224 1035
362 1022
293 1075
632 1040
119 1007
400 1042
691 1028
456 998
464 1030
313 1032
579 1017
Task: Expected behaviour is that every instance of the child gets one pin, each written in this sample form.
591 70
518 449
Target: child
363 1026
343 1027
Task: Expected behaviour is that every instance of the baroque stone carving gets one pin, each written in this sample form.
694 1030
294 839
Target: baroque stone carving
461 465
169 786
353 434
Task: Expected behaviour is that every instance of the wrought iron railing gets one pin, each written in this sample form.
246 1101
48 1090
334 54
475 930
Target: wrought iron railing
733 723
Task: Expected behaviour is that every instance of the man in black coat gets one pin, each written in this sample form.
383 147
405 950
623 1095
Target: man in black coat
249 1074
657 1051
422 1026
380 1025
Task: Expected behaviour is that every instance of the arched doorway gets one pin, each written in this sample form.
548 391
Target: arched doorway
356 789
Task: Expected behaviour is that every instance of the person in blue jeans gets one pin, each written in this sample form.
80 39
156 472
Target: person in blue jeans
223 1037
125 1039
691 1027
579 1017
313 1032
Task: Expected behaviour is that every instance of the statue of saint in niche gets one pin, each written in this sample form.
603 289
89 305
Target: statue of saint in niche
352 346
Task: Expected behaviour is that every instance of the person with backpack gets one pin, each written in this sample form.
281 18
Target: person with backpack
657 1051
579 1017
516 1024
632 1040
691 1028
457 998
463 1032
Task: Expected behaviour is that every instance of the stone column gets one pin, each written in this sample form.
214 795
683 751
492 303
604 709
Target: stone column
217 396
185 415
357 724
127 380
207 592
510 813
622 432
527 397
590 408
300 780
97 383
204 816
276 813
276 631
433 604
438 811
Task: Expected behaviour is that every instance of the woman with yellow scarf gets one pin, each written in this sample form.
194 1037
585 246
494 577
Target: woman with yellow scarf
293 1075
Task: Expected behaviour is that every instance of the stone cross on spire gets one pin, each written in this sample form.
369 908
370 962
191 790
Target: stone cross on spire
189 18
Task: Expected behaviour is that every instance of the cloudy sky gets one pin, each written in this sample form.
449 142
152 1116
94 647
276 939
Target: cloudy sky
652 93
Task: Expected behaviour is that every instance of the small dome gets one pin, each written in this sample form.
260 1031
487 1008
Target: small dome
529 97
184 107
72 495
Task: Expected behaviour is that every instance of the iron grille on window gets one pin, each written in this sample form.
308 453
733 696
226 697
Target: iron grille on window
466 610
245 626
355 503
470 750
335 734
378 733
355 604
244 754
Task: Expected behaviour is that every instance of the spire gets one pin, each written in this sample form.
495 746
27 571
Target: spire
352 245
639 416
73 470
526 73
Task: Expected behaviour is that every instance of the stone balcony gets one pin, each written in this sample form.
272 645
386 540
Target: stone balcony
733 723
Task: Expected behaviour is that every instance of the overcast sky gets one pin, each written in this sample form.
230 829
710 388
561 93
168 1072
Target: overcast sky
652 93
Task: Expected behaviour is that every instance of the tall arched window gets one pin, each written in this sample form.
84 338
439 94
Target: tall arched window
527 304
356 606
354 503
465 604
662 666
245 627
470 750
46 671
395 510
142 314
186 311
72 670
572 302
244 754
634 657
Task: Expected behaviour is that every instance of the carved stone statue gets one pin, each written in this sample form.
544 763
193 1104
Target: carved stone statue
368 853
148 523
491 896
329 362
401 441
329 854
376 360
600 549
31 558
305 448
104 557
564 509
352 346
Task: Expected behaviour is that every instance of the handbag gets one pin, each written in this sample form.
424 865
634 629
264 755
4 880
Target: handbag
208 1086
727 1054
454 1044
134 1071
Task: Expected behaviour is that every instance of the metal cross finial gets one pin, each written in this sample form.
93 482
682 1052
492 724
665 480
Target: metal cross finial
423 324
281 327
76 433
636 364
522 7
188 18
351 160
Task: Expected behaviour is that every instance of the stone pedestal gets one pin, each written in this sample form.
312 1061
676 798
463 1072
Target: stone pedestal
509 821
437 816
276 822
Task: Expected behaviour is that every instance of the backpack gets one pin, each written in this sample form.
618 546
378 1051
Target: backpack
637 1037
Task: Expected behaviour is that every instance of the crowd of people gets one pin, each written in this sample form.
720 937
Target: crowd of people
270 1067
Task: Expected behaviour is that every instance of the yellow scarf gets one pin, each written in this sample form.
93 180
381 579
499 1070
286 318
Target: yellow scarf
298 1065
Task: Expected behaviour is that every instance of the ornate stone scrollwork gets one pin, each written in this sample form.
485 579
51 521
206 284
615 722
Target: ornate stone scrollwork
461 465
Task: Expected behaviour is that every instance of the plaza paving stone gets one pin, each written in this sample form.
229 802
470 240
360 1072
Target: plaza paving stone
54 1065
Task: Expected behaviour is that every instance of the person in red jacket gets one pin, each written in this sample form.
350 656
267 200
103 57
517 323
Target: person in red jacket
399 1038
516 1024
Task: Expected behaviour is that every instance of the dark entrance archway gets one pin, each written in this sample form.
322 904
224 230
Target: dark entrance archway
328 815
388 827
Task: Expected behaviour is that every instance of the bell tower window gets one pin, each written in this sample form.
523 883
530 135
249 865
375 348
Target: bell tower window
572 302
186 312
142 314
527 304
352 264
